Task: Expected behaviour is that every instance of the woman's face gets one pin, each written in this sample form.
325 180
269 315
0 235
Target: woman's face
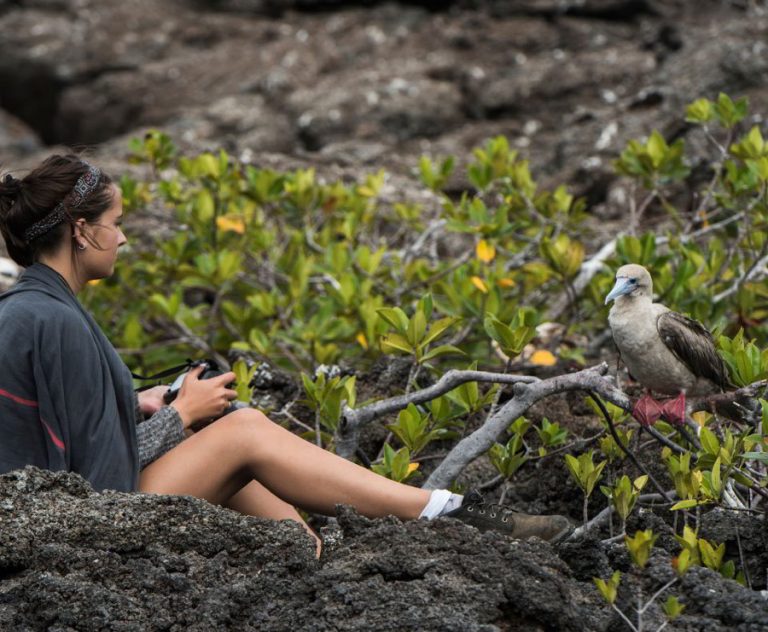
101 240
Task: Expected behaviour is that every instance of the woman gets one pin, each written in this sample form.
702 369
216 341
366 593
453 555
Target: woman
67 400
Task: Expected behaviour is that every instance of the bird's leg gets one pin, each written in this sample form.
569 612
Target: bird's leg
647 410
673 410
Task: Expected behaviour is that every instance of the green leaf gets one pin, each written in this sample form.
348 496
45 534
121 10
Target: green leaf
395 342
573 467
204 206
700 111
673 608
309 387
756 456
711 557
608 589
657 149
684 504
437 328
717 486
441 350
709 441
395 317
497 330
133 332
416 328
640 546
729 112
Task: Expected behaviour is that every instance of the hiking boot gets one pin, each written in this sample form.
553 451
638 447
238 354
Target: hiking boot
486 516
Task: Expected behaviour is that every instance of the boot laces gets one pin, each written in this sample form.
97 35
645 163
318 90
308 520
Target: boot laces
477 502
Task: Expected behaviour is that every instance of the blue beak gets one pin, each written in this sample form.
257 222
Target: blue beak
623 286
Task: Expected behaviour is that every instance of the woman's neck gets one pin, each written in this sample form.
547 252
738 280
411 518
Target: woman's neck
62 263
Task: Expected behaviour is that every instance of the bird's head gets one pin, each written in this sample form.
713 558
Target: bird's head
631 280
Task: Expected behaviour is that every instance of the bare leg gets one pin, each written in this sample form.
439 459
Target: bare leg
224 457
256 500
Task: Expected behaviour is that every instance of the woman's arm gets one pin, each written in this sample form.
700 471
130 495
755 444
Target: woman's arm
158 434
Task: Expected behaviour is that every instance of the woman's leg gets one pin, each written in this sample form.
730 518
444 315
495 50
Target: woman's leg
224 457
256 500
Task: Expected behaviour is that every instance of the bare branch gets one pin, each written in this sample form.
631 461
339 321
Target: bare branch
598 521
755 272
353 419
712 403
602 518
625 449
418 244
525 396
528 390
588 270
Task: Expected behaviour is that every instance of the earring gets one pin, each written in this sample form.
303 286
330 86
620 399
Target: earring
81 246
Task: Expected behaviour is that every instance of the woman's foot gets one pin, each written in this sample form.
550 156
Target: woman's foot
485 516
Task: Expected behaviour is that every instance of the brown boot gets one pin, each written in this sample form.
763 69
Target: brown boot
488 516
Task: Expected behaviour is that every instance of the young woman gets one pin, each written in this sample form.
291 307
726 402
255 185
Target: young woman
67 399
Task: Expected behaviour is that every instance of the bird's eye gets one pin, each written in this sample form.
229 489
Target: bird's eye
632 281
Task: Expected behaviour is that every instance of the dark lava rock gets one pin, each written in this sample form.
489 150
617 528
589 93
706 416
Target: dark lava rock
72 559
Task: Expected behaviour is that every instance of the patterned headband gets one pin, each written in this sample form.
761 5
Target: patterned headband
85 185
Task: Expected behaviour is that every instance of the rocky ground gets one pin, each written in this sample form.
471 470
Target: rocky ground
350 88
71 559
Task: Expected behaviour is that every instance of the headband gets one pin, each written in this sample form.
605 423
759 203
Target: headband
85 185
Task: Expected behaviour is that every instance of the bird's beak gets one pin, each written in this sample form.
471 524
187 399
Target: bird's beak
622 287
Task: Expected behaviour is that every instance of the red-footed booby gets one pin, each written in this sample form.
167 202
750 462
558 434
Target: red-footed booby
665 351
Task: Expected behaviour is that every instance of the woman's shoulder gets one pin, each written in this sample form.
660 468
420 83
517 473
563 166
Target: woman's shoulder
35 308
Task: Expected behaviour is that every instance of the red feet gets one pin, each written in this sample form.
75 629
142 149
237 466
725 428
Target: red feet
673 410
647 410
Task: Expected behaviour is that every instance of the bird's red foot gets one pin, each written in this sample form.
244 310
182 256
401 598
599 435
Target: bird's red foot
647 410
673 410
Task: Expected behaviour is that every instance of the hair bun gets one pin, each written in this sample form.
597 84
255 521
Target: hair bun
10 185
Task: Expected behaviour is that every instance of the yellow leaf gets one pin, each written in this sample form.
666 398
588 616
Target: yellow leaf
366 191
542 357
230 222
485 251
362 341
412 467
94 281
700 417
479 284
505 282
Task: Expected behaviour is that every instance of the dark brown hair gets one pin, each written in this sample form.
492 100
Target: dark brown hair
28 200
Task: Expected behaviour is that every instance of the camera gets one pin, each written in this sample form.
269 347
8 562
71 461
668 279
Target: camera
211 370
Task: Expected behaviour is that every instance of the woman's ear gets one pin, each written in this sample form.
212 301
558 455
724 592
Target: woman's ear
78 234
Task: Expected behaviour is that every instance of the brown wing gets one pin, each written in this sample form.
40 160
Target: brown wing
694 346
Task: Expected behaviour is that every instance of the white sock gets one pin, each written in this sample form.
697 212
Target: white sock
441 501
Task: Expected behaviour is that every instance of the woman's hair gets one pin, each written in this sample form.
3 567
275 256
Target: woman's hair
28 205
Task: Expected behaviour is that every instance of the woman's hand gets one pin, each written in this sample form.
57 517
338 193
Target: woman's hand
151 400
202 399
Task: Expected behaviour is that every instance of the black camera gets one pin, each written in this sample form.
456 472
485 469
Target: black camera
211 370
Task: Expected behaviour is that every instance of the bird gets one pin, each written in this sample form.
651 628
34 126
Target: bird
666 352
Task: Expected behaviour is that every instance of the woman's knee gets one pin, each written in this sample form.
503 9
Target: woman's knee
248 419
243 425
